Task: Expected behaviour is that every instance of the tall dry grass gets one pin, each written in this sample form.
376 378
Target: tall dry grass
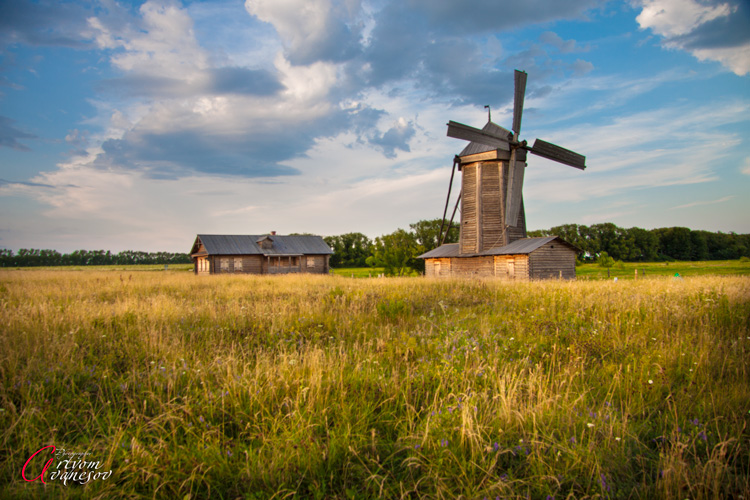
326 387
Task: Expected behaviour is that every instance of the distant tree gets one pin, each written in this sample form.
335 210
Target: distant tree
427 233
396 252
349 250
675 242
646 244
604 260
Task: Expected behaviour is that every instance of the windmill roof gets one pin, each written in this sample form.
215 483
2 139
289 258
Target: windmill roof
518 247
247 244
474 147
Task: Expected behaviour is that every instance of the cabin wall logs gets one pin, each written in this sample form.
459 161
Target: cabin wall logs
261 264
552 260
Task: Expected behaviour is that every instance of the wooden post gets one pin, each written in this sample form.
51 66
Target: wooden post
636 274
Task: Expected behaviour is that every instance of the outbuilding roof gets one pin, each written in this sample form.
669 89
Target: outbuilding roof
518 247
246 244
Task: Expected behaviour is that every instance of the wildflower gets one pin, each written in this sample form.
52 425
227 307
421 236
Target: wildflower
603 480
617 439
703 436
201 419
650 381
589 425
495 446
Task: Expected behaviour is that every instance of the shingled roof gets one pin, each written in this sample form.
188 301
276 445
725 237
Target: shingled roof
518 247
474 147
247 244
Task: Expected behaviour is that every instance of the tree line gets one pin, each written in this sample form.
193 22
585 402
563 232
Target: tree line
643 245
32 258
397 252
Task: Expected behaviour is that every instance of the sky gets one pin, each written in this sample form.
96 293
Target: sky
137 125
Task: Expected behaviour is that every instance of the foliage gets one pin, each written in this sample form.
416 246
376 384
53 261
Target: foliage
397 252
640 245
327 387
604 260
32 257
349 250
427 233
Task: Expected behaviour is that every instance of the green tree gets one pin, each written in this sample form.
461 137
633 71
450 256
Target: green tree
397 252
349 250
427 233
604 260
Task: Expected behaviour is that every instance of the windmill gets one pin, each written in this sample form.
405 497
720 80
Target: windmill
492 168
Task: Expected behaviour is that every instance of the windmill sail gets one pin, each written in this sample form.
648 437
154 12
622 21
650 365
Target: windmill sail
556 153
520 92
515 186
467 133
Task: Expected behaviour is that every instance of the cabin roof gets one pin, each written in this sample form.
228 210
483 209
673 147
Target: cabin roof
518 247
247 244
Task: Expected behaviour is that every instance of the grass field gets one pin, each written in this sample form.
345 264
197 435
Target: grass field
328 387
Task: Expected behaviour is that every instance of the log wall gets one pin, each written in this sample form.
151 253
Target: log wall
552 260
512 267
468 232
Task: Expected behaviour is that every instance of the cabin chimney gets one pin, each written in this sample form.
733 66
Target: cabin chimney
273 233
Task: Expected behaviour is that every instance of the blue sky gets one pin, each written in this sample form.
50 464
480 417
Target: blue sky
130 125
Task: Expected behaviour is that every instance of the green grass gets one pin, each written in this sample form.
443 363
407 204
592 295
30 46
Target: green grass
327 387
358 272
649 269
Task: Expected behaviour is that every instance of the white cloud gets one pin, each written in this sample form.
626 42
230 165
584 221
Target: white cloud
745 169
681 22
670 18
163 43
311 29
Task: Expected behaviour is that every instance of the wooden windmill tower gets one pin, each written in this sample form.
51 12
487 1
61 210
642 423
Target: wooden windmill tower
493 221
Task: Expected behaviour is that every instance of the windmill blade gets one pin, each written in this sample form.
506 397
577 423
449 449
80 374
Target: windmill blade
516 170
467 133
558 154
520 86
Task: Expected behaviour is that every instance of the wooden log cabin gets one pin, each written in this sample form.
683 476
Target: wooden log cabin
260 254
522 260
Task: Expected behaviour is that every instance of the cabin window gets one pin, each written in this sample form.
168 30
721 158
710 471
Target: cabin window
311 262
225 264
238 263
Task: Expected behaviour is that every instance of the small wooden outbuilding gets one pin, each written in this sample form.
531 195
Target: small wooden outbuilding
260 254
522 260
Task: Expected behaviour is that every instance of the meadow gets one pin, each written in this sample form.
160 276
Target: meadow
327 387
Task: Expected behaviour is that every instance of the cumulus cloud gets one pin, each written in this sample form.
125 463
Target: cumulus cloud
713 30
227 120
312 30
